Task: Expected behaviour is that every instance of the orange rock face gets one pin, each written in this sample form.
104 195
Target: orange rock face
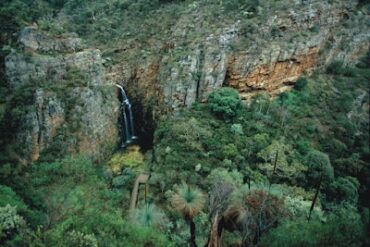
270 77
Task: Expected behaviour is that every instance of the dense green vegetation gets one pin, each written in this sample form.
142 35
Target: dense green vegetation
223 172
291 141
258 163
76 208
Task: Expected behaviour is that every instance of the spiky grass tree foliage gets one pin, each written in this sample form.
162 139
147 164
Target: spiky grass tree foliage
188 201
149 216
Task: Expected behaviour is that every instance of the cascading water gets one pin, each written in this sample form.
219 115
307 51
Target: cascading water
128 128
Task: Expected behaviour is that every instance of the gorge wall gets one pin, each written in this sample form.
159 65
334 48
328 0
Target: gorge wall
64 103
260 54
74 104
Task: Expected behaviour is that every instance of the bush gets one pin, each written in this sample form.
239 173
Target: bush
225 103
349 71
253 213
364 62
237 129
33 217
343 189
335 68
300 83
233 5
79 202
318 163
343 228
144 236
230 151
10 222
130 158
76 238
221 175
288 168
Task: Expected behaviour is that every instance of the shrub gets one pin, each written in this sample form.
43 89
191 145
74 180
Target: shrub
300 208
343 189
221 175
144 236
132 158
75 77
237 129
76 238
300 83
364 62
318 163
315 29
149 216
253 214
9 197
78 200
335 68
232 5
287 167
230 151
10 221
349 71
343 228
191 133
225 103
260 141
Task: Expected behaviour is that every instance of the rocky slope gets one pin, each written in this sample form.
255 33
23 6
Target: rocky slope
267 52
75 106
71 108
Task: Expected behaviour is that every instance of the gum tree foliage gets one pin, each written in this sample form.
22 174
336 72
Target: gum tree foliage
10 222
300 84
343 227
83 210
318 163
343 189
191 133
225 103
288 167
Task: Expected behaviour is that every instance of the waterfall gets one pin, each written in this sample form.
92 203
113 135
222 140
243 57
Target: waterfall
128 128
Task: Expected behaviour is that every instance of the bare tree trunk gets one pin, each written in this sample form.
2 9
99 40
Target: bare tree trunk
215 233
192 234
315 197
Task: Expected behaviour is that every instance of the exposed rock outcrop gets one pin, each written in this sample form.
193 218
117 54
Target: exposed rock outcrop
264 51
31 39
23 68
39 127
267 53
72 108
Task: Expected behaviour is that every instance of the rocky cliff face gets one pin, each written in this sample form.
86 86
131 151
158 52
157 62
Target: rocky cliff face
265 53
70 108
75 107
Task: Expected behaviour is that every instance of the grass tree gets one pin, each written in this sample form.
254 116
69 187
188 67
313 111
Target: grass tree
149 216
188 201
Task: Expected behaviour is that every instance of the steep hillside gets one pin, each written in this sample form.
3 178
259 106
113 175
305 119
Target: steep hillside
248 119
169 56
